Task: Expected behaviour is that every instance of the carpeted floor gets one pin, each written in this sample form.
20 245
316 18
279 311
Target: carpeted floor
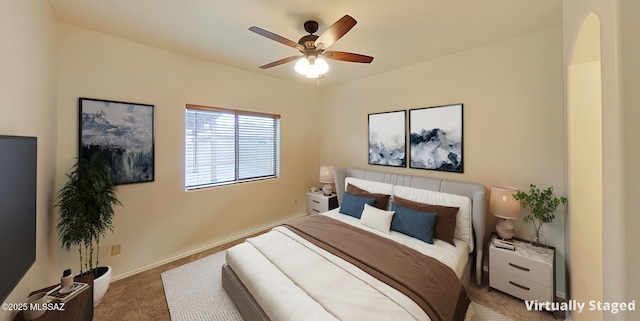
194 291
141 297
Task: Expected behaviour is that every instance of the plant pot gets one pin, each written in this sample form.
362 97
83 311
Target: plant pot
539 242
101 283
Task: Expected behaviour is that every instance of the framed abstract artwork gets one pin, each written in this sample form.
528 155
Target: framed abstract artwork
435 138
387 138
123 134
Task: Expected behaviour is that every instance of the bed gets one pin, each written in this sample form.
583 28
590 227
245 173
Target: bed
281 275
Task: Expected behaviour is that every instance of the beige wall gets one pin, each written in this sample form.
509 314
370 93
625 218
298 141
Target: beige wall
27 108
159 221
512 93
631 101
585 183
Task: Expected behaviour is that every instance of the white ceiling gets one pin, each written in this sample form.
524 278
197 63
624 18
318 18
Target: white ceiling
397 34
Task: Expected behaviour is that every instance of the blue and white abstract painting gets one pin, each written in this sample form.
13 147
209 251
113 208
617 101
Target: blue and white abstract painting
387 138
435 138
122 133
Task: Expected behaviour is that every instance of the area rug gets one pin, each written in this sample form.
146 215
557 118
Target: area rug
194 293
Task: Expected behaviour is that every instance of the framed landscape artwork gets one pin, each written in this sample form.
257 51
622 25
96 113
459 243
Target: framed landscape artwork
123 134
387 138
435 138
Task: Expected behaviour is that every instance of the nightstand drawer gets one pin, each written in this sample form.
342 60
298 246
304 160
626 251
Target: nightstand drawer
318 203
520 266
315 205
519 287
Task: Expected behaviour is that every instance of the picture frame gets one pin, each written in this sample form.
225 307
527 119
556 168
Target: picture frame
436 138
123 134
388 138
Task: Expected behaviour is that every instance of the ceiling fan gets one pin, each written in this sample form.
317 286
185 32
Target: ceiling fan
314 48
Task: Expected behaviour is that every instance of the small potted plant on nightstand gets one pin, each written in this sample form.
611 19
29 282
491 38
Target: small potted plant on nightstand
542 205
85 206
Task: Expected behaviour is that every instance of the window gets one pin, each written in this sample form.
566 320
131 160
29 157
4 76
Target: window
228 146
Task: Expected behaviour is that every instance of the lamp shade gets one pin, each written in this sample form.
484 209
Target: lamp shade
326 174
502 204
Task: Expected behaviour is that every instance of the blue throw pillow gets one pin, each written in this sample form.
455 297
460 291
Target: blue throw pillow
353 205
414 223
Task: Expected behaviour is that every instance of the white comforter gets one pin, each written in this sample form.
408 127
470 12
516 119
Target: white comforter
295 280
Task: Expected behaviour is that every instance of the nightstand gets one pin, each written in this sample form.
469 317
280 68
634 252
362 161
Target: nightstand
318 203
523 273
77 308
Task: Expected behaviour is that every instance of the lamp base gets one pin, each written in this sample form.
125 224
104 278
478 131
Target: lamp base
505 229
327 189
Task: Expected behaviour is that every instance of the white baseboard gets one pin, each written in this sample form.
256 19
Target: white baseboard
204 248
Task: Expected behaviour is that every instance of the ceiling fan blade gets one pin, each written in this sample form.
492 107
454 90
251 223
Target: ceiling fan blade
347 56
280 62
275 37
335 32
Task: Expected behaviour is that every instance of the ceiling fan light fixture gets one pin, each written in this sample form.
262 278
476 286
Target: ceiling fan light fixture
321 65
311 66
302 66
312 74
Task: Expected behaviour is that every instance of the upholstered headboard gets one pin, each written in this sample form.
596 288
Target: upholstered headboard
476 192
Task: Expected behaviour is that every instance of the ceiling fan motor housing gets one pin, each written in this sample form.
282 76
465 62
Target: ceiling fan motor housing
308 41
311 26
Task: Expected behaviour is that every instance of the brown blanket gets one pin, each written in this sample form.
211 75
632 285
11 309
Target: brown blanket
428 282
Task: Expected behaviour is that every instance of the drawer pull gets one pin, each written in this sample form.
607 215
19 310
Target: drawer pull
519 267
315 210
316 201
520 286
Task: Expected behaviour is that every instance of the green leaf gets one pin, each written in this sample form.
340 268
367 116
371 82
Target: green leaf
541 203
85 207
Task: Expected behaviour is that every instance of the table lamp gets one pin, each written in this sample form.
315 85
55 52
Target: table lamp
503 205
326 177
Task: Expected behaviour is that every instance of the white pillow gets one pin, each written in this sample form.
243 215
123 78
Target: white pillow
376 218
369 186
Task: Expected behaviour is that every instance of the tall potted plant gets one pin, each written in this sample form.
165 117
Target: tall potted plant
85 205
543 205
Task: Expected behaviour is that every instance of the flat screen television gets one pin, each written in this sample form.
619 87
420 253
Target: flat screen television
18 167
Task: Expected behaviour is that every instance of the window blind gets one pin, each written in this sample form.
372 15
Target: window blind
226 146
